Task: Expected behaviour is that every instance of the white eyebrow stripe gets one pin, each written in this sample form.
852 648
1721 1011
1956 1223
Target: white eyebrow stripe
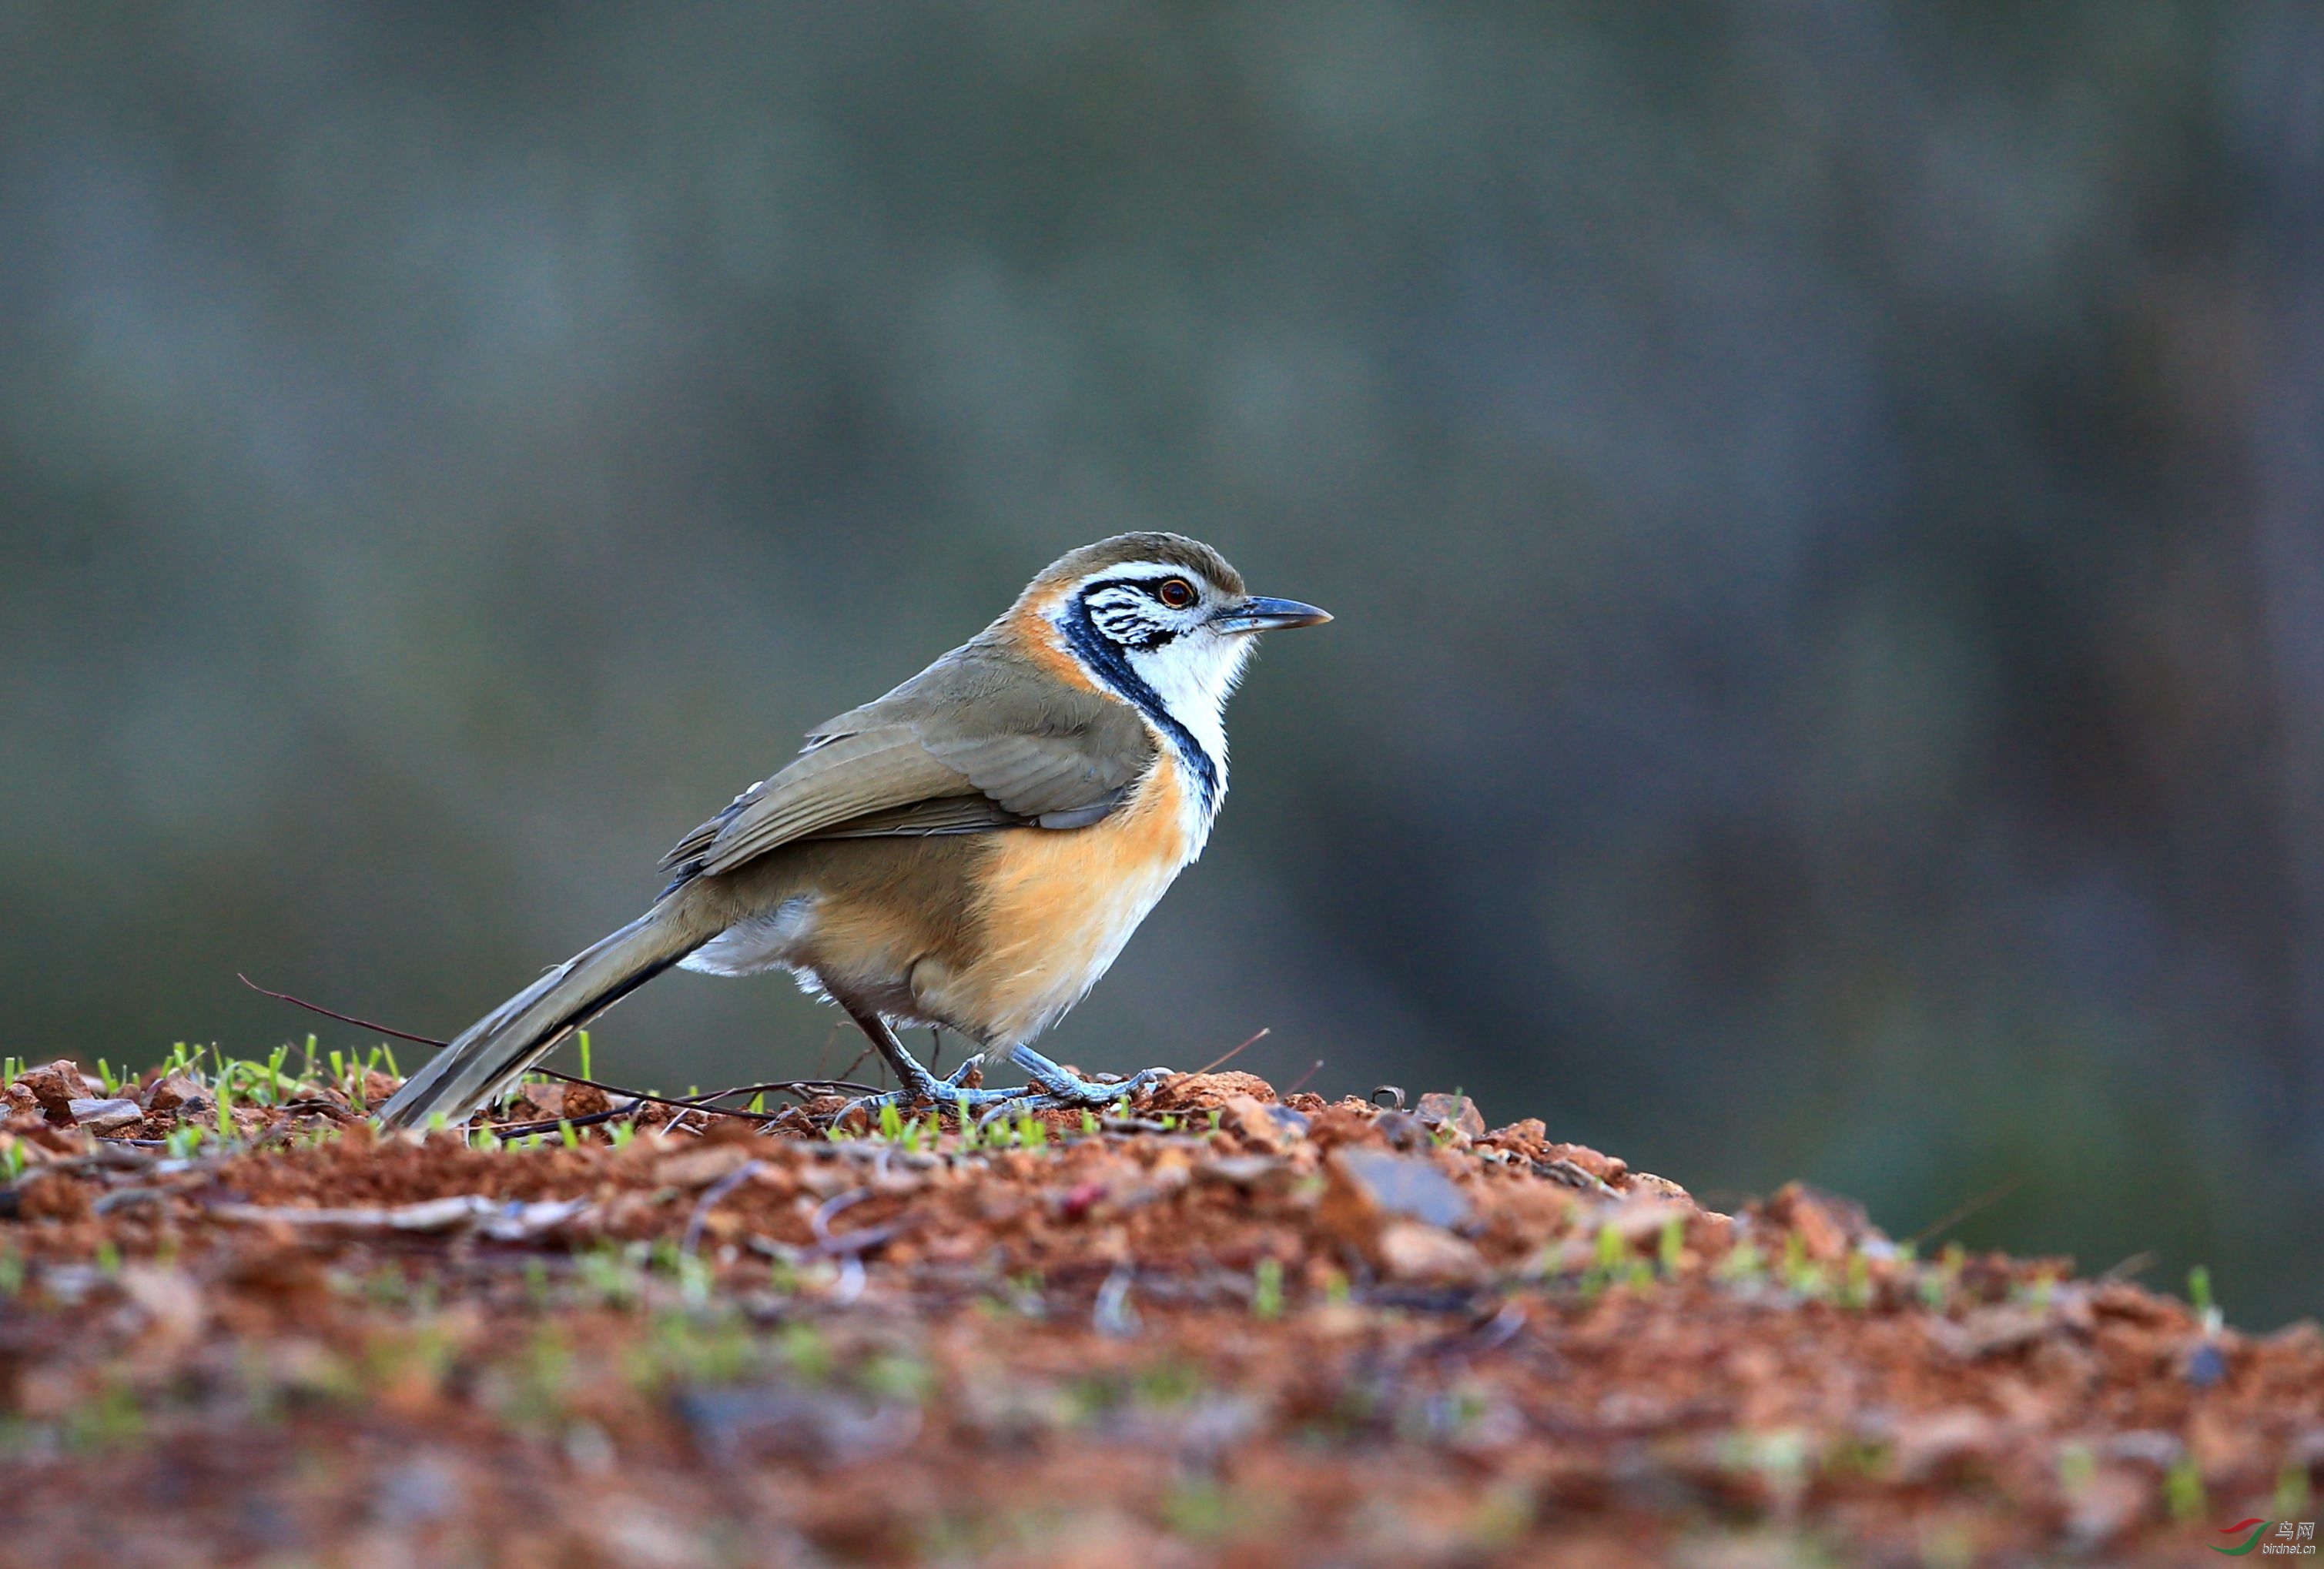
1131 572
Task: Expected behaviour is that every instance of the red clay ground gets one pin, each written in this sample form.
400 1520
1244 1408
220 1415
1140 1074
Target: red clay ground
1226 1332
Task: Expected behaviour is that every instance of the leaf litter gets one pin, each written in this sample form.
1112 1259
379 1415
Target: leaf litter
1220 1327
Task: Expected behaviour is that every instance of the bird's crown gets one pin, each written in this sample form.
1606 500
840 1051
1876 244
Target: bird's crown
1156 546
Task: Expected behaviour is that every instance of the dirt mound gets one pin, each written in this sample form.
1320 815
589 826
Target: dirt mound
1229 1329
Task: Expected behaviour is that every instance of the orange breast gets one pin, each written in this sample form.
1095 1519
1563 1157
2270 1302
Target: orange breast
1056 908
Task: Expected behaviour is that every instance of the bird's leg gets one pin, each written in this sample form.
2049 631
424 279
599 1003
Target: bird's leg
1053 1085
918 1085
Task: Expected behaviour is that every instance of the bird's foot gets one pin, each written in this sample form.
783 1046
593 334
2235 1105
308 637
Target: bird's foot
927 1089
1054 1088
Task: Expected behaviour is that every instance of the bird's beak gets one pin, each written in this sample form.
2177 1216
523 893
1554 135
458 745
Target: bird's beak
1265 615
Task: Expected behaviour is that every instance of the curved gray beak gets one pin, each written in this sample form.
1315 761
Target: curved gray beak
1265 615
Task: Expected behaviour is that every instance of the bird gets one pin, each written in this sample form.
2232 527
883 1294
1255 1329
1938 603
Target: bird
970 851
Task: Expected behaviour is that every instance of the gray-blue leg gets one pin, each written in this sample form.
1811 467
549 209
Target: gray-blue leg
1059 1088
1052 1086
917 1085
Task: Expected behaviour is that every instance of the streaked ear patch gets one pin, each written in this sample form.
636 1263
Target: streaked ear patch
1130 615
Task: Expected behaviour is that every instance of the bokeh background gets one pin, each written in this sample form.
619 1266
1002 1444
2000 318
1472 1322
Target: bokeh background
1824 505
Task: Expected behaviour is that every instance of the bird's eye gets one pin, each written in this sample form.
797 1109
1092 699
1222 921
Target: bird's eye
1176 593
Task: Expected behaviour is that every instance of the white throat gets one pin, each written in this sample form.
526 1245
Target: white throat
1180 685
1194 677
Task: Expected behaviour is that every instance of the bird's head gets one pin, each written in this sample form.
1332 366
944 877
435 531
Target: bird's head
1160 618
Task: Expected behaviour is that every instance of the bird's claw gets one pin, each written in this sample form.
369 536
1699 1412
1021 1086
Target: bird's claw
926 1090
1052 1088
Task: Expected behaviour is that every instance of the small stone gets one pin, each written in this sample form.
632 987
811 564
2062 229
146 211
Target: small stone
1456 1112
1262 1127
1410 1251
1525 1133
701 1167
1928 1447
1368 1190
584 1100
1245 1115
102 1115
1639 1218
1403 1130
1252 1173
1827 1224
56 1086
176 1093
1990 1331
2105 1507
1201 1091
172 1305
1608 1169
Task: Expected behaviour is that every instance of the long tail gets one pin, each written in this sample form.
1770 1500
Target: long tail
491 1054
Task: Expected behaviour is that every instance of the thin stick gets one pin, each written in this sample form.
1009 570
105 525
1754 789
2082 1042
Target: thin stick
1229 1057
796 1087
1304 1077
342 1018
1982 1201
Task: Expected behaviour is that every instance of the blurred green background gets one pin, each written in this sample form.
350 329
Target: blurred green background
1824 505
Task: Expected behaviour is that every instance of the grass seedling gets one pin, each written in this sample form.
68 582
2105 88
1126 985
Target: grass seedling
1670 1247
1266 1290
585 1071
1856 1288
891 1123
2292 1494
1802 1276
224 1091
1744 1265
897 1378
568 1132
2199 1295
808 1353
609 1274
2182 1491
